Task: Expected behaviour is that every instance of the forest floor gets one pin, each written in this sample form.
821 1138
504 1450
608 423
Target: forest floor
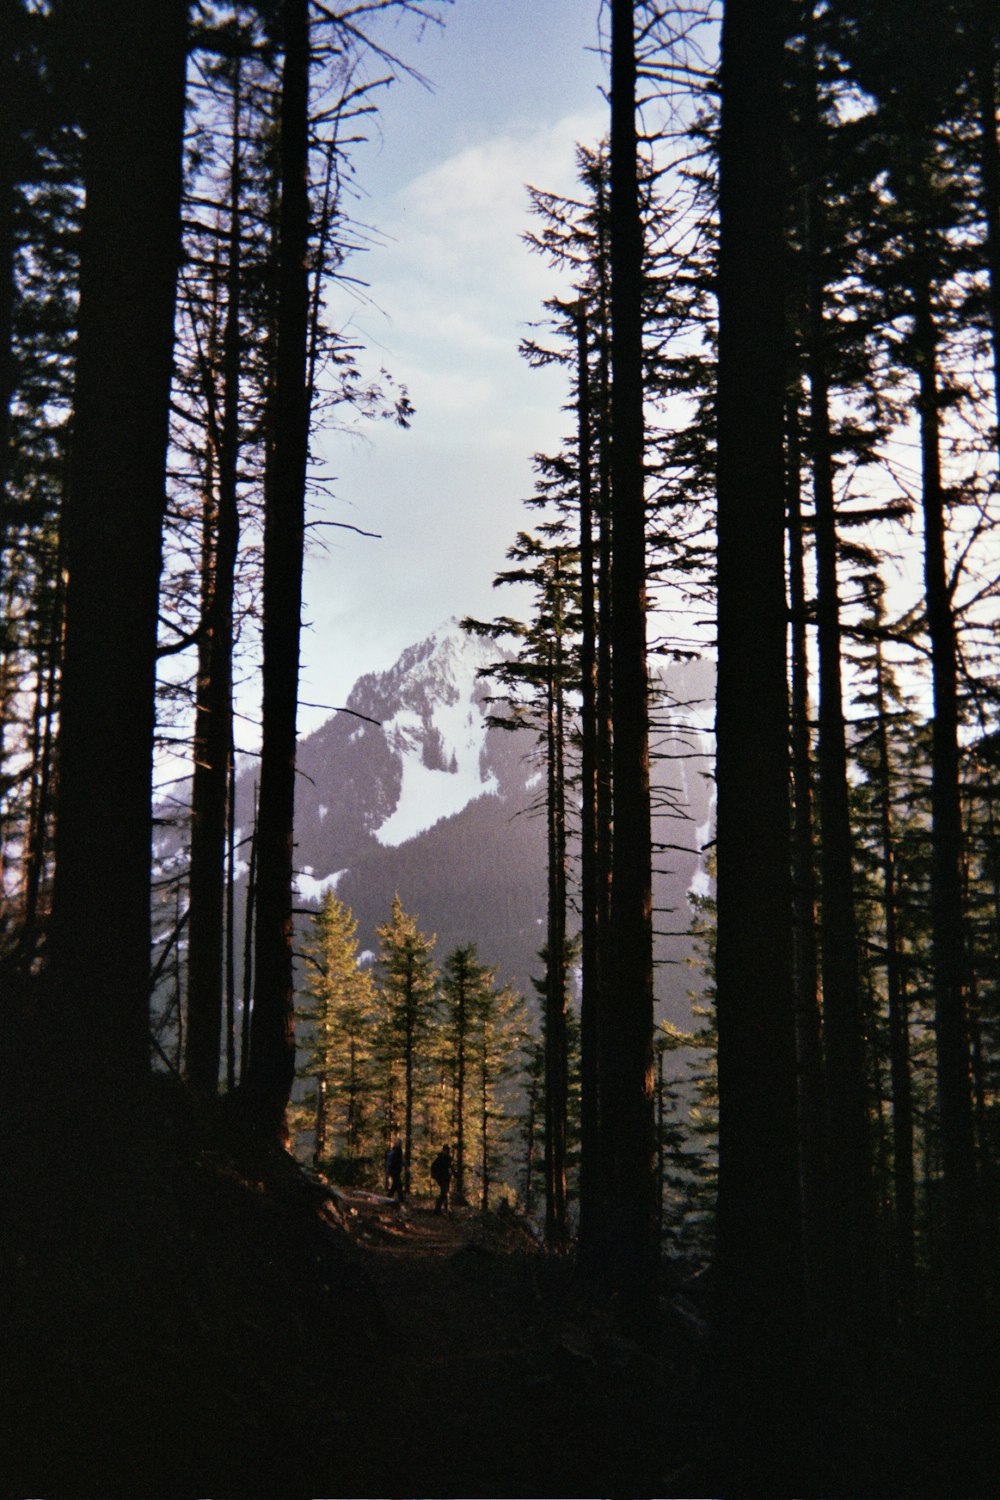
490 1376
197 1320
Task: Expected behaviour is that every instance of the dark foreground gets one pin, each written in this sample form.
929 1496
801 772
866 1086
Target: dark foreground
202 1321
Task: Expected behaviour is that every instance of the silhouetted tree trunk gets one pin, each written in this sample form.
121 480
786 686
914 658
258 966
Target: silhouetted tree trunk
11 27
100 932
950 1009
43 777
248 937
804 896
989 170
758 1227
461 1032
271 1067
849 1226
214 706
231 918
556 1061
598 1231
899 1032
590 952
627 1062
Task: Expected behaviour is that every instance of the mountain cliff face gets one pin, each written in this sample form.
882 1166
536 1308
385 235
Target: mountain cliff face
432 803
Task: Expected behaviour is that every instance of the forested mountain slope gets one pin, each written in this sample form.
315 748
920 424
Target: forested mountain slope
432 802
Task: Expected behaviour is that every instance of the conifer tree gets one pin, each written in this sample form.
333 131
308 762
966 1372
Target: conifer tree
496 1041
626 1031
538 682
877 800
466 988
40 203
211 791
925 256
132 174
266 1086
848 1224
407 985
335 1027
759 1230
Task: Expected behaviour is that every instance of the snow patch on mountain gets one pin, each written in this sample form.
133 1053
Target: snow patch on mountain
439 734
311 888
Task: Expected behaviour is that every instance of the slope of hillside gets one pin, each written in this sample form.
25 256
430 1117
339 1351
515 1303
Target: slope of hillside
411 791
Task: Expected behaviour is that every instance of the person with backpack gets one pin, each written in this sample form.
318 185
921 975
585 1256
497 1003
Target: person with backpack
441 1173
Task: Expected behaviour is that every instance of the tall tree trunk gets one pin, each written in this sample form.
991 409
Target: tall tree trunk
590 951
409 1021
11 22
627 1064
849 1227
204 959
805 951
961 1226
458 1196
759 1250
556 1083
100 931
231 919
271 1069
604 732
214 712
37 842
899 1030
246 1006
989 171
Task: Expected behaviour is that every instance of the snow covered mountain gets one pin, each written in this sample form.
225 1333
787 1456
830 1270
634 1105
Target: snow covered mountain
432 744
430 802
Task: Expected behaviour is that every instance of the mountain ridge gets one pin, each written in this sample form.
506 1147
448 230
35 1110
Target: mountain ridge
436 805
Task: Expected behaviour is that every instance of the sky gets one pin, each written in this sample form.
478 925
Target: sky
514 84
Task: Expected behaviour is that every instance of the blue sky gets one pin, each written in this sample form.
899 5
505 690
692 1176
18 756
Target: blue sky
515 83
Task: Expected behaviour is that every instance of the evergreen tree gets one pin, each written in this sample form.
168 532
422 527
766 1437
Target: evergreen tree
759 1230
495 1047
466 989
132 174
538 683
880 815
626 1030
267 1084
925 257
335 1034
407 985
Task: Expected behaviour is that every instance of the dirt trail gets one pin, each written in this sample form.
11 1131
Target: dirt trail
481 1381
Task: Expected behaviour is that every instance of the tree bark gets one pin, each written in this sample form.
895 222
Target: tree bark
11 24
899 1037
556 1082
989 171
849 1219
759 1253
271 1069
214 711
950 1000
627 1065
590 952
100 931
805 950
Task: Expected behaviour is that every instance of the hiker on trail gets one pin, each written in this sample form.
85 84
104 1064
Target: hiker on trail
441 1172
394 1169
